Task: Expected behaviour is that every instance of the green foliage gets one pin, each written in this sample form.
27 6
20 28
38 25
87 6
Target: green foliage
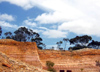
77 47
94 44
59 44
8 37
32 40
82 69
80 42
24 34
49 64
51 69
83 40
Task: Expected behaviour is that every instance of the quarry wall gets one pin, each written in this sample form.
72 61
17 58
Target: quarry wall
74 61
64 60
24 51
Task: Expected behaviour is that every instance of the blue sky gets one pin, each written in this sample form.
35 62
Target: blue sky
52 19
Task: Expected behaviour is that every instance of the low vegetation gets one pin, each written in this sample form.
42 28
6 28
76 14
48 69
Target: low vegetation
50 65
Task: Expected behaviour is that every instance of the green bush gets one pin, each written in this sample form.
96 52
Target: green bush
49 64
82 69
8 37
51 69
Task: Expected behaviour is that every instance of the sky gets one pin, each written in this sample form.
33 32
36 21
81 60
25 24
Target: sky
52 19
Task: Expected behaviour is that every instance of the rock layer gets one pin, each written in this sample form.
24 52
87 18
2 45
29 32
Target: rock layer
75 61
8 64
24 51
28 52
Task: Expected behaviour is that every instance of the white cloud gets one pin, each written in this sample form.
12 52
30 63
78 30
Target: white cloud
37 30
6 17
51 18
25 4
54 26
29 22
5 20
54 33
62 12
6 24
44 28
78 16
81 27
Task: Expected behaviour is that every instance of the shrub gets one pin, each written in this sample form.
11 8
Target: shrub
82 69
49 64
51 69
8 37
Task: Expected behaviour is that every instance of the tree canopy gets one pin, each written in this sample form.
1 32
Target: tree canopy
24 34
82 40
94 44
8 35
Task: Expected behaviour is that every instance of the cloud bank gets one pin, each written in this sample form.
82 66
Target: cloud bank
5 20
6 17
77 16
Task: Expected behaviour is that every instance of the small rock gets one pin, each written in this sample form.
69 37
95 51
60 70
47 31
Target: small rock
6 65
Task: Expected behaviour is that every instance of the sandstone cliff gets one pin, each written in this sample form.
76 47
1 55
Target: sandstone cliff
24 51
75 60
8 64
64 60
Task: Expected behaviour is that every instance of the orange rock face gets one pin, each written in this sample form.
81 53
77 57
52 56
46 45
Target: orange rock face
78 61
24 51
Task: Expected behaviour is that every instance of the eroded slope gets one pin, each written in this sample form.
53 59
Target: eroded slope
72 60
24 51
8 64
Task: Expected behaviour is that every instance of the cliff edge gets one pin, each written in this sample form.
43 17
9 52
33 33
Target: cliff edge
24 51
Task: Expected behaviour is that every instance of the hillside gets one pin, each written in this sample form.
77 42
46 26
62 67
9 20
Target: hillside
27 52
8 64
24 51
79 59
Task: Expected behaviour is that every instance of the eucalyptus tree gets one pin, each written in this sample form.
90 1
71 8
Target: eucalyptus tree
94 44
8 35
24 34
59 44
81 40
65 41
0 30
